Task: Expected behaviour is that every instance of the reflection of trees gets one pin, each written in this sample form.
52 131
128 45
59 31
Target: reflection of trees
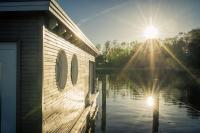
176 88
123 88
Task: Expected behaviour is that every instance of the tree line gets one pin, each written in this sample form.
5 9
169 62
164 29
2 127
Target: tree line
175 53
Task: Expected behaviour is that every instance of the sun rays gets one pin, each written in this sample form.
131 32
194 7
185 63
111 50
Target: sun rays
151 49
150 26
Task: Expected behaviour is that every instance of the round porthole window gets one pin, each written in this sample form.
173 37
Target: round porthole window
74 69
61 70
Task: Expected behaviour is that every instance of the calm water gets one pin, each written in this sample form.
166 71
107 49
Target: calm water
137 102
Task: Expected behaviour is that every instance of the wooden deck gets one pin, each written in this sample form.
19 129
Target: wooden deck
87 118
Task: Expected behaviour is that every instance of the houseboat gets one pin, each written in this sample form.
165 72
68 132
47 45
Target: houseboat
47 70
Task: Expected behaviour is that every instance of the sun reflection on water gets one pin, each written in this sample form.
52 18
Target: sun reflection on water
150 101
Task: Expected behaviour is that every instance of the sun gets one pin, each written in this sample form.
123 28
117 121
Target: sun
151 32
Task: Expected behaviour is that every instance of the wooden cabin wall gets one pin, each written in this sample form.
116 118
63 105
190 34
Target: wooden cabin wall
61 109
26 30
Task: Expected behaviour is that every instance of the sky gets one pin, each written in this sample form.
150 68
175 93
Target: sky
126 20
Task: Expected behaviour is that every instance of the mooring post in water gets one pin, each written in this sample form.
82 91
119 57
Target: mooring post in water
103 119
156 114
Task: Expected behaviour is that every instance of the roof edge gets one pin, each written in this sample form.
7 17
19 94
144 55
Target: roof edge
24 6
65 19
53 7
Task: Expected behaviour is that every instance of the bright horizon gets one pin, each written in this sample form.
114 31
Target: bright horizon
126 20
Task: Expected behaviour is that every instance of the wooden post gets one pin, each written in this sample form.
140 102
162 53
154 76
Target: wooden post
103 120
156 114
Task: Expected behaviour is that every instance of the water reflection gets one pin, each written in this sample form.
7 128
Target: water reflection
140 103
150 101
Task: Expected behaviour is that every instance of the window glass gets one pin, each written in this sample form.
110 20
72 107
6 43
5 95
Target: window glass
74 69
61 69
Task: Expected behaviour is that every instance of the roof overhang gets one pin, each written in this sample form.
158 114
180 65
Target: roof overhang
48 6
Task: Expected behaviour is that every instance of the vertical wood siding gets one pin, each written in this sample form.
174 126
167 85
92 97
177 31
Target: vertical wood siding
60 109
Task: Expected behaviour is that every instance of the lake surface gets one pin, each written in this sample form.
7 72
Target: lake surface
143 103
